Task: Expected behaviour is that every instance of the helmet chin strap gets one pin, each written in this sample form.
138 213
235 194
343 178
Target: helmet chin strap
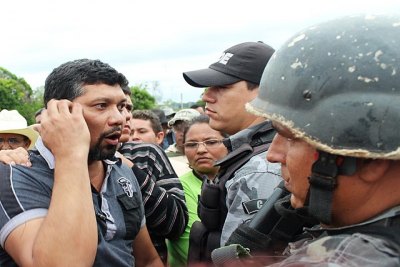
323 182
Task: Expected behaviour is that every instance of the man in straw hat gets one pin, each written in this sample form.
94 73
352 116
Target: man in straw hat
14 131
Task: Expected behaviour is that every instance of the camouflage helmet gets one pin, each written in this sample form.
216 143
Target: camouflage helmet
337 86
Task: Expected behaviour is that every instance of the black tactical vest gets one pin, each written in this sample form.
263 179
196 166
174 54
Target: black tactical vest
205 235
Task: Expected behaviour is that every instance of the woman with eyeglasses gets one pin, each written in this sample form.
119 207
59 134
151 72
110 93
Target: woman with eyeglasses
202 146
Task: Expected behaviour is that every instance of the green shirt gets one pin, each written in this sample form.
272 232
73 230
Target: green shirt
178 248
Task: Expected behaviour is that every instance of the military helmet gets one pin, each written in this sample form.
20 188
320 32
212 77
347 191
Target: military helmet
336 85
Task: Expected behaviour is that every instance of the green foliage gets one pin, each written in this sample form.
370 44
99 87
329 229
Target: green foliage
141 98
16 93
201 103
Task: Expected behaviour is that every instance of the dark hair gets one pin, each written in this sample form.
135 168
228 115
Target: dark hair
148 115
67 80
251 86
126 90
38 112
161 115
198 120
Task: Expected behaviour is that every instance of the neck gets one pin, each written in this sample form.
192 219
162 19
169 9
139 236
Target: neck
256 121
361 199
253 120
96 174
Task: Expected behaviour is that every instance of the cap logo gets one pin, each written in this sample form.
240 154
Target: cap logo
225 58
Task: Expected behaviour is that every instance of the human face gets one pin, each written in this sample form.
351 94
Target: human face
38 118
13 141
225 105
103 109
202 158
296 158
126 131
178 129
143 132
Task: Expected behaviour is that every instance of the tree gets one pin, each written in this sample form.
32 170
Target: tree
16 93
141 98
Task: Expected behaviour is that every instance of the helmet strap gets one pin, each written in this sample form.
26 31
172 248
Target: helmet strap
322 184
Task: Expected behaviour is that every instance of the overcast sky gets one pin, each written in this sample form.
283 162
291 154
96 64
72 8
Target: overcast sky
154 41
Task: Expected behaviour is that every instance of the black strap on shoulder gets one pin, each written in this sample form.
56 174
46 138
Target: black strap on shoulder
241 157
238 158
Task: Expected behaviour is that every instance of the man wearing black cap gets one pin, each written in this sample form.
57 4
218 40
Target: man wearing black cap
245 178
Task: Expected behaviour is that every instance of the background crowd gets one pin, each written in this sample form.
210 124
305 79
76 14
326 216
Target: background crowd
293 158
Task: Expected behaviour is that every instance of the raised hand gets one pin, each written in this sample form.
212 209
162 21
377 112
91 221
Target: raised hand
63 128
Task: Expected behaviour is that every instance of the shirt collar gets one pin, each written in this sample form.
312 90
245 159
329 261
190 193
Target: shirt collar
45 153
49 157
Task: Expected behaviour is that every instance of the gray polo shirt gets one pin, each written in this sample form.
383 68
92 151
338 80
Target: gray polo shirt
25 194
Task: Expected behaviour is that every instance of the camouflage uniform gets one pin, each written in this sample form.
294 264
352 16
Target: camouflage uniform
256 179
344 249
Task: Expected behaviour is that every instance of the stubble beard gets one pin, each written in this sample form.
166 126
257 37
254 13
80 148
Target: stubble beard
99 152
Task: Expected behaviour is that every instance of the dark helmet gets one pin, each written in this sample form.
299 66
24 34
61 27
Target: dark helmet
337 86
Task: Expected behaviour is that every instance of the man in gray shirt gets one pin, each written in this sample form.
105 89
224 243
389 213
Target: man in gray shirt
77 204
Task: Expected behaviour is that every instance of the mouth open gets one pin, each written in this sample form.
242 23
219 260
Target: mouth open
113 138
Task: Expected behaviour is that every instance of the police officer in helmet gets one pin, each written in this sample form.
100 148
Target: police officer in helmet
332 93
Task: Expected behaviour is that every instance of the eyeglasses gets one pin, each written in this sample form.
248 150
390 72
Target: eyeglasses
209 144
13 142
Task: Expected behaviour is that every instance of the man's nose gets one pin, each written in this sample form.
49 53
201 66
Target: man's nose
117 117
276 151
208 95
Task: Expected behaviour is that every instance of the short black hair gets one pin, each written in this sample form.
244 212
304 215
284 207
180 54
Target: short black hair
67 80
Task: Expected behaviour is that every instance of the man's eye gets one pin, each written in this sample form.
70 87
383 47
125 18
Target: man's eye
122 107
129 107
13 141
101 105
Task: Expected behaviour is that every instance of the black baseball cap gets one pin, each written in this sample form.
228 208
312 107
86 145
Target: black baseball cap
245 61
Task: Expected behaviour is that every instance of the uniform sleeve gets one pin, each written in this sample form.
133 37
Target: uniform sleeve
162 192
255 180
342 250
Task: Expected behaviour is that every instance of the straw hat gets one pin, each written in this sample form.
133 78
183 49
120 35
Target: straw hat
13 122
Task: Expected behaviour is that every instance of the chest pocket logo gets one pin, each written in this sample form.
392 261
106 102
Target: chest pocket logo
126 186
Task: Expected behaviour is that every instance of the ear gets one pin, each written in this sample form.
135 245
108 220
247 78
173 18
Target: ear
159 137
372 170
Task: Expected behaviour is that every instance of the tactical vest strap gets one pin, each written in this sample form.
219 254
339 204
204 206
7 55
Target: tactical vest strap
205 236
209 208
197 242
